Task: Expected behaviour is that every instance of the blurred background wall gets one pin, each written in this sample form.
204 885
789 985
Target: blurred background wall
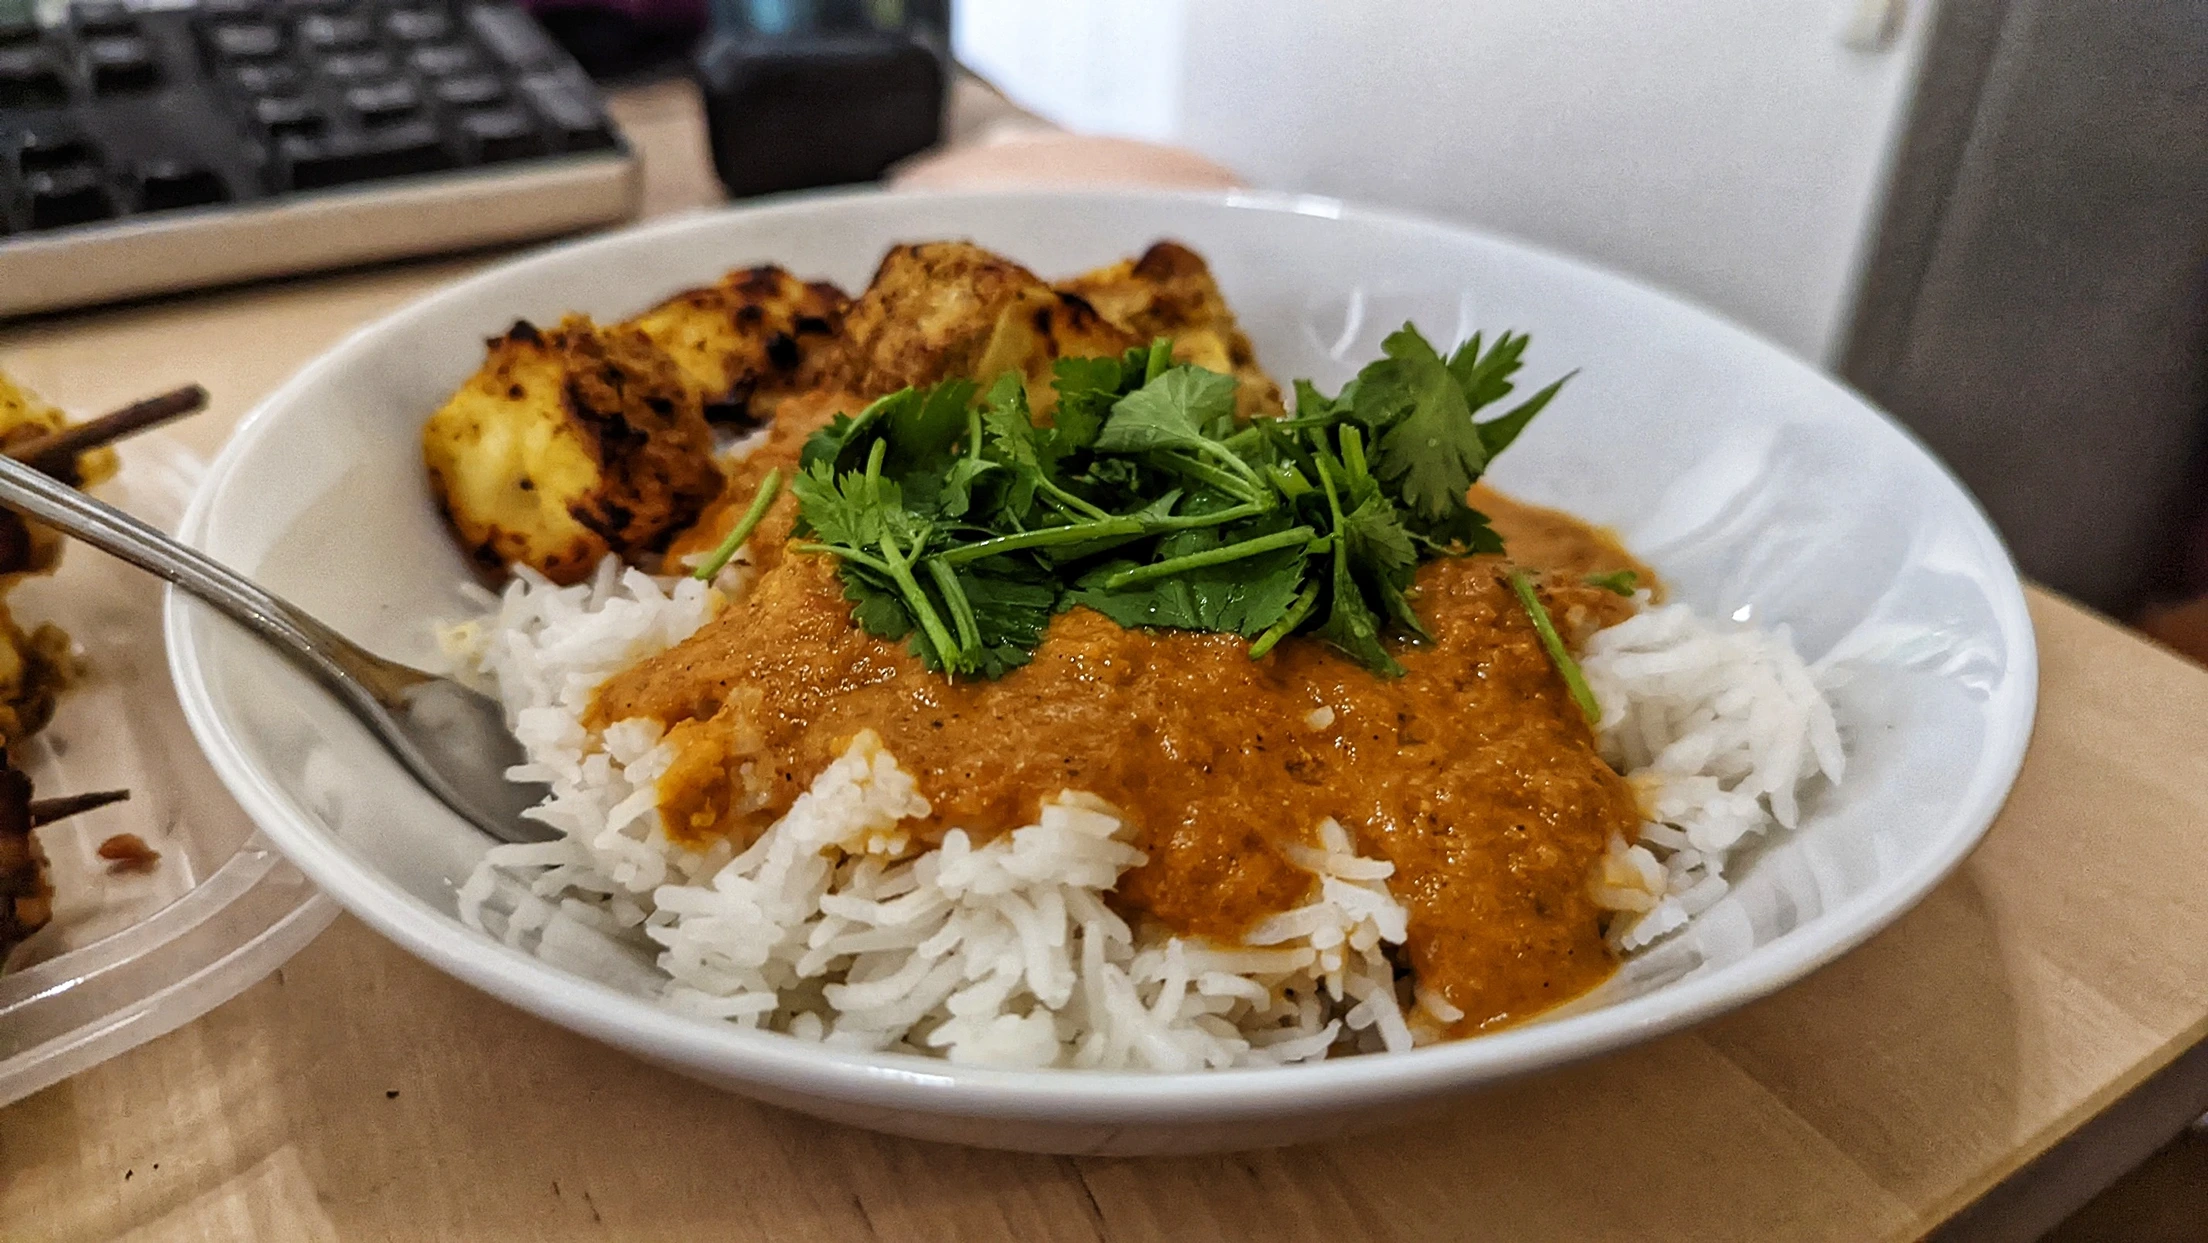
1988 214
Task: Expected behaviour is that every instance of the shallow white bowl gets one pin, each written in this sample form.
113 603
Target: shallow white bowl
1758 487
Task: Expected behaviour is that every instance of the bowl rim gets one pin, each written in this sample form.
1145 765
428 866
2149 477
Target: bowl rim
908 1082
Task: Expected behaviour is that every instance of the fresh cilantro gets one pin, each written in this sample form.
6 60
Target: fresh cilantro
1574 681
1087 389
1431 451
769 488
1169 412
963 524
1622 582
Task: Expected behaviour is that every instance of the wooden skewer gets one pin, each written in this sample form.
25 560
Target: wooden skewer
56 452
48 810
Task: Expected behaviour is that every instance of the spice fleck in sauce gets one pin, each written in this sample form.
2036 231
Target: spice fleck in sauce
1474 773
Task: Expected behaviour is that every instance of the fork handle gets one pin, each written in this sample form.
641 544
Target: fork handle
334 660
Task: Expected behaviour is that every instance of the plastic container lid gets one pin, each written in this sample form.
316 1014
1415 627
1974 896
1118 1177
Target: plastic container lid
130 955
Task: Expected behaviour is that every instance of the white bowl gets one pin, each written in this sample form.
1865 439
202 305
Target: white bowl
1757 486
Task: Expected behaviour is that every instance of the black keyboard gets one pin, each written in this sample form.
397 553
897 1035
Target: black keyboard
150 149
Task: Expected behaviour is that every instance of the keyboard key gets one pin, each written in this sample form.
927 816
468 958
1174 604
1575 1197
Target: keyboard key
166 185
500 134
356 66
384 102
441 59
274 79
418 25
245 41
571 110
325 32
217 11
289 116
342 159
103 17
43 148
470 91
67 196
121 63
512 37
30 77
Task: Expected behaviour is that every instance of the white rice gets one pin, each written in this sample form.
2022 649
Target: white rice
829 928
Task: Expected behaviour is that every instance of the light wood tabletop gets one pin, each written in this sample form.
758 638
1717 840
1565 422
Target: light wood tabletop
357 1094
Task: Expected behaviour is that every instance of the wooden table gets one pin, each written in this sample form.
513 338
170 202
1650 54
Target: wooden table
357 1094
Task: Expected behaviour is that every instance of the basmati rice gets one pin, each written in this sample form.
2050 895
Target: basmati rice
1005 952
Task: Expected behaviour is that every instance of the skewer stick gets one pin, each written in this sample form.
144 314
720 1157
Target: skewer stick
56 452
48 810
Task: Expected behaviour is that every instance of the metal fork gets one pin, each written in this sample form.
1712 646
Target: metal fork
453 739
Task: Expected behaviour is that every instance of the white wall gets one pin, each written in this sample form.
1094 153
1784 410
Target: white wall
1734 150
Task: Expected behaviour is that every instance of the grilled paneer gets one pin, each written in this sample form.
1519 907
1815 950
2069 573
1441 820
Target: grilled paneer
1169 292
27 547
951 309
757 335
36 666
570 443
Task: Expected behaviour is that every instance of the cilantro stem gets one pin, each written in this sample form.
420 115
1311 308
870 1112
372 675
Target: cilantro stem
1574 680
962 609
1289 480
848 553
898 571
769 488
1298 612
1161 359
1334 507
1079 505
1353 452
1046 537
1190 522
1210 557
1206 473
1232 459
947 649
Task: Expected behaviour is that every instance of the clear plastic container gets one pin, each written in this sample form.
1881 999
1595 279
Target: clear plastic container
130 955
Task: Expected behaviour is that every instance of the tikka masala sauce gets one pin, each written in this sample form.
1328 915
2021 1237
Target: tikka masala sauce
1474 773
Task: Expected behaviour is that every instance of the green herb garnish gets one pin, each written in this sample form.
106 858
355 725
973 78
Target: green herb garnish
964 525
1620 582
1574 680
769 488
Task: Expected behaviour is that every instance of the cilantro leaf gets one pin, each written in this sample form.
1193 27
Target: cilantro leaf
1376 535
1012 615
923 428
956 496
1619 582
1312 405
1087 389
1498 433
1432 453
840 511
1465 533
874 604
1485 376
1169 412
920 425
1351 627
1243 597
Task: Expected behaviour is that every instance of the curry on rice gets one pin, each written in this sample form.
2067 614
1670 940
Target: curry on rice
1462 765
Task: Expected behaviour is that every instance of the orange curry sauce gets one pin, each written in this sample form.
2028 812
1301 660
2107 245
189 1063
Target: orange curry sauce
1475 774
